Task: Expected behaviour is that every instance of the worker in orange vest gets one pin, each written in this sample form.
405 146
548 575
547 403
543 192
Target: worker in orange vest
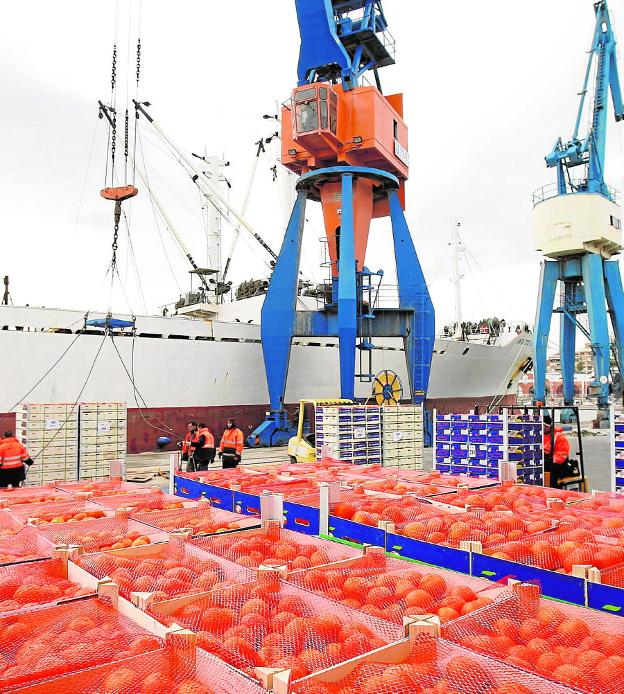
556 452
204 448
186 446
13 459
231 447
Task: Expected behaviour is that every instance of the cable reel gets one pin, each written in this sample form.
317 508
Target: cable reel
387 388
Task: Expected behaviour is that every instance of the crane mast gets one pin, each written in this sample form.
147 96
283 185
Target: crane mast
578 229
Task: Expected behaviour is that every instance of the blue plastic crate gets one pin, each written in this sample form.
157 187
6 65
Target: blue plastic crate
444 438
443 467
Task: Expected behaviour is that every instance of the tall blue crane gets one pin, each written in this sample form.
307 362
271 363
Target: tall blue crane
578 229
348 143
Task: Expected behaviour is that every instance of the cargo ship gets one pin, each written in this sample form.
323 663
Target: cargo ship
170 369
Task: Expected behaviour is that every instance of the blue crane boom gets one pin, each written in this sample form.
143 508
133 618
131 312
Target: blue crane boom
590 151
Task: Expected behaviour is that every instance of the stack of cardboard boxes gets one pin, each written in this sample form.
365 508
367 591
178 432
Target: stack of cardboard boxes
50 433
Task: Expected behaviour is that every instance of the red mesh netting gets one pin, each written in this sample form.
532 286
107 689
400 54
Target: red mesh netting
27 544
613 576
369 509
432 666
58 512
401 487
603 523
487 527
291 489
49 642
31 495
559 551
275 546
147 500
159 672
168 569
36 583
101 487
391 588
604 501
224 478
8 524
202 520
572 645
522 498
270 623
101 533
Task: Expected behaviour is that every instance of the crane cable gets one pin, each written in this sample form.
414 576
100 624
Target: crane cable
54 365
73 407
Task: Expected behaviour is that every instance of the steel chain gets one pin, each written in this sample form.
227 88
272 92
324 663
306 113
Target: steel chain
138 61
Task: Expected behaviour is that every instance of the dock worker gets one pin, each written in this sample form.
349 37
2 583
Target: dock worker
204 450
556 452
185 444
231 447
14 458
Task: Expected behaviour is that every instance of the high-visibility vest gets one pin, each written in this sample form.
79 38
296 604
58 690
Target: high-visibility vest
12 454
209 442
188 439
232 438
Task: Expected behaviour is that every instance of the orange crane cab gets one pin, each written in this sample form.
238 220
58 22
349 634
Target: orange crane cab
325 125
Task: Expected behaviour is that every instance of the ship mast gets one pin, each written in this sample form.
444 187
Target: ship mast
456 276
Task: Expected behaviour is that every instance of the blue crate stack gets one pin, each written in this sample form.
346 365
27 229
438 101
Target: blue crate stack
352 433
476 445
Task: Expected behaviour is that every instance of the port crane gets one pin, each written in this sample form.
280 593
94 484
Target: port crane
348 144
578 228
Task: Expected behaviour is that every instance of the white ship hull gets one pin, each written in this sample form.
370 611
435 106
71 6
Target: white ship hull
184 365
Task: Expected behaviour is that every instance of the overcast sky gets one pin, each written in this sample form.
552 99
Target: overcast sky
489 86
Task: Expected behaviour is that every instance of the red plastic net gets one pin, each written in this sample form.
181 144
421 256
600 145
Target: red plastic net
275 546
402 487
369 509
202 520
167 569
147 500
8 524
45 643
523 498
224 478
36 583
604 501
101 533
560 550
293 489
160 672
487 527
392 588
31 495
58 512
101 487
571 645
613 576
432 666
602 523
25 545
270 623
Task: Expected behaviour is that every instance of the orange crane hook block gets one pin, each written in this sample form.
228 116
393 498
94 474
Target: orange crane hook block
120 193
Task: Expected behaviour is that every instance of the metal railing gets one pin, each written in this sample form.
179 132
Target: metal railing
579 185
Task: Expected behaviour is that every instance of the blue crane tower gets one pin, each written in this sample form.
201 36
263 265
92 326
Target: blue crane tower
578 229
348 143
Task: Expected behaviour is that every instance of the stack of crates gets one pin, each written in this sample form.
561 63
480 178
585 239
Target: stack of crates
617 451
403 436
351 432
50 433
478 445
103 437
